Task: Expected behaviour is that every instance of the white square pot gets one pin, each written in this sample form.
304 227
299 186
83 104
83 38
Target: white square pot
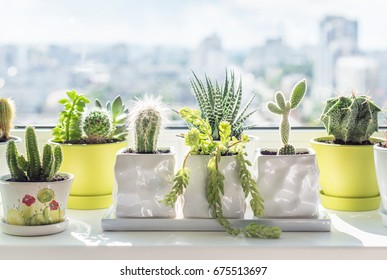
195 203
380 157
142 182
288 184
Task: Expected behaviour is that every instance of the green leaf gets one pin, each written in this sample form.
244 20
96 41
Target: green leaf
117 106
71 94
298 94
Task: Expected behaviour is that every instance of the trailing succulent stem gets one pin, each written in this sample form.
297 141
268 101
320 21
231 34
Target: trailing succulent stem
351 120
200 140
283 107
7 114
146 120
33 169
219 103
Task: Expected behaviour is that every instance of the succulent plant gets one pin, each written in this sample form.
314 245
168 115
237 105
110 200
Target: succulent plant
219 103
7 114
283 107
146 120
119 114
34 168
97 127
69 127
351 120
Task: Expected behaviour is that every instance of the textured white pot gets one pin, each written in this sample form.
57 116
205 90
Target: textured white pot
195 203
142 182
380 157
3 163
35 203
288 184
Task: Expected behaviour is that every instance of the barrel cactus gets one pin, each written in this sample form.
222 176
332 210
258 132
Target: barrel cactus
7 114
284 107
352 119
146 120
97 127
34 168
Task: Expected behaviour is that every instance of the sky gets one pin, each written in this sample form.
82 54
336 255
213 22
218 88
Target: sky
241 24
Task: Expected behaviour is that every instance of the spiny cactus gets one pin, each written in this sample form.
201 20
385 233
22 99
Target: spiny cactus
222 103
119 114
33 169
350 119
7 113
284 107
97 127
146 120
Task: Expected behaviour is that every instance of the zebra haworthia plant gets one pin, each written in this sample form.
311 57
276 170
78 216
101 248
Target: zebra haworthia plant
283 107
33 168
351 120
219 103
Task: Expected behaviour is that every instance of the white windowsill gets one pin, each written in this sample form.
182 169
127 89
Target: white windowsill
353 236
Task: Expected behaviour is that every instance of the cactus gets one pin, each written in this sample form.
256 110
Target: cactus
146 119
284 107
222 103
97 127
33 169
351 120
7 114
119 114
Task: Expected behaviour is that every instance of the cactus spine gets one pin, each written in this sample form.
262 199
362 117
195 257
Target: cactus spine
284 107
33 169
7 114
350 119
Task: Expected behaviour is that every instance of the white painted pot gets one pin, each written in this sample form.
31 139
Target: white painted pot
288 184
35 203
3 162
142 182
380 157
195 203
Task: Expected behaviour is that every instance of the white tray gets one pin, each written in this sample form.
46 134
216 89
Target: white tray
111 223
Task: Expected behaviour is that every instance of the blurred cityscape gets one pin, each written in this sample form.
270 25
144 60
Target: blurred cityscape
36 77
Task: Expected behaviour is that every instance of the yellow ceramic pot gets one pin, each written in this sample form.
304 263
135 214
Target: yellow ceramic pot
347 176
93 168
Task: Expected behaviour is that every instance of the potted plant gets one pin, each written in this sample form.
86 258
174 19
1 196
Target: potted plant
216 159
288 178
7 114
90 143
34 194
345 159
145 173
380 156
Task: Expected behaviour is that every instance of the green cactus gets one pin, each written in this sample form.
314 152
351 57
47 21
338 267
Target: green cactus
7 114
222 103
33 169
351 120
284 107
97 127
119 114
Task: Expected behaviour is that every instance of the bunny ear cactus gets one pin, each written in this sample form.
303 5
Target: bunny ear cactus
33 169
351 120
7 114
284 107
146 121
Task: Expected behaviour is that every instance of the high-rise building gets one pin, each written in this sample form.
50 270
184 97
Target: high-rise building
338 38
